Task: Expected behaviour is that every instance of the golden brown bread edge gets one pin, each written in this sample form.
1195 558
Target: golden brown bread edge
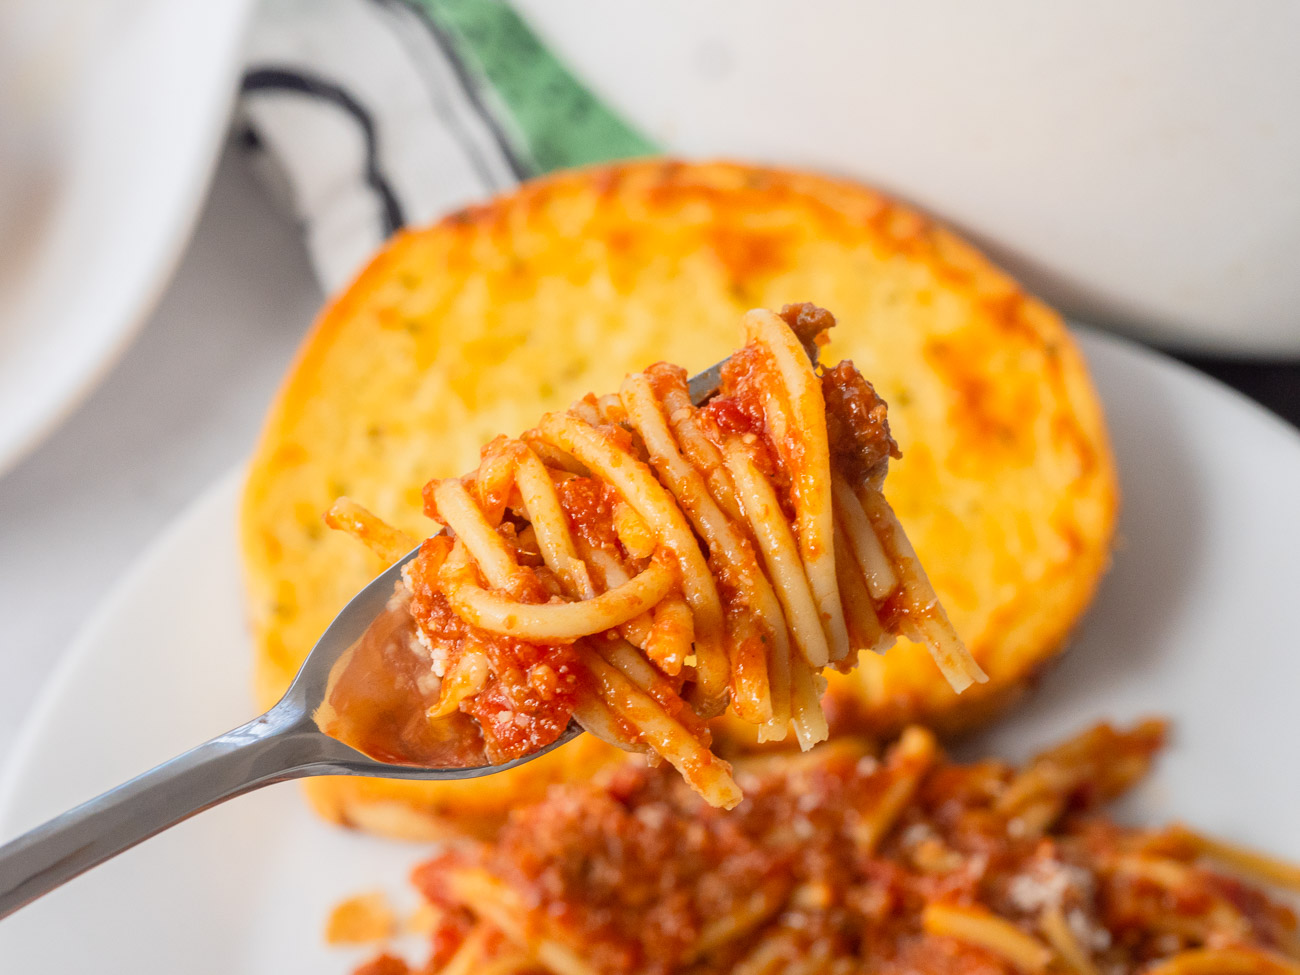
479 324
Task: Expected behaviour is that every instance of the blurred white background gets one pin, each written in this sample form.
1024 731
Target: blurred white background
1134 163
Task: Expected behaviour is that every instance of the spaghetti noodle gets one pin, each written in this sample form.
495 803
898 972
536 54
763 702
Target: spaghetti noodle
845 861
641 561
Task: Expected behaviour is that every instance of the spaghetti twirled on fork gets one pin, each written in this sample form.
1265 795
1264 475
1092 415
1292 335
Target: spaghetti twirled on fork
639 562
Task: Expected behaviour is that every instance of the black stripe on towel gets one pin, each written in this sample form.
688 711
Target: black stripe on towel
468 83
284 79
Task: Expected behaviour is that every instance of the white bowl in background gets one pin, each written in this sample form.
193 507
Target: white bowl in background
1136 164
111 113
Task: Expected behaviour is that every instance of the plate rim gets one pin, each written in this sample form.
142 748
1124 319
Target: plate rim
45 704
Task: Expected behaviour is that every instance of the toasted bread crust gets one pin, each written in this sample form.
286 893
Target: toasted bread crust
479 324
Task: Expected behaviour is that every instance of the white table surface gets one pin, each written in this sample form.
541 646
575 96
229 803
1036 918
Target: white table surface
182 406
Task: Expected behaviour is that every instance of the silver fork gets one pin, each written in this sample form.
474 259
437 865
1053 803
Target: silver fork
282 744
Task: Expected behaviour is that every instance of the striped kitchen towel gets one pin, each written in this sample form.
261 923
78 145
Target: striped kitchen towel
365 116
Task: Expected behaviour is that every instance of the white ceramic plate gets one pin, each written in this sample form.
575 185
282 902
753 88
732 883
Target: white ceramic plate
112 113
1195 621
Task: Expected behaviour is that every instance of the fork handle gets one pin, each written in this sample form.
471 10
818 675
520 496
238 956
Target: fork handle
266 750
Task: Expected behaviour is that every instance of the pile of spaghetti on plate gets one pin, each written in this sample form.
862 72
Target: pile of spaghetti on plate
845 860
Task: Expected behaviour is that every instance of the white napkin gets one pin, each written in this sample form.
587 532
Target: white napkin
365 116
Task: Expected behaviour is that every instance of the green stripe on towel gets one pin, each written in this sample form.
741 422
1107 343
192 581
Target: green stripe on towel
551 118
